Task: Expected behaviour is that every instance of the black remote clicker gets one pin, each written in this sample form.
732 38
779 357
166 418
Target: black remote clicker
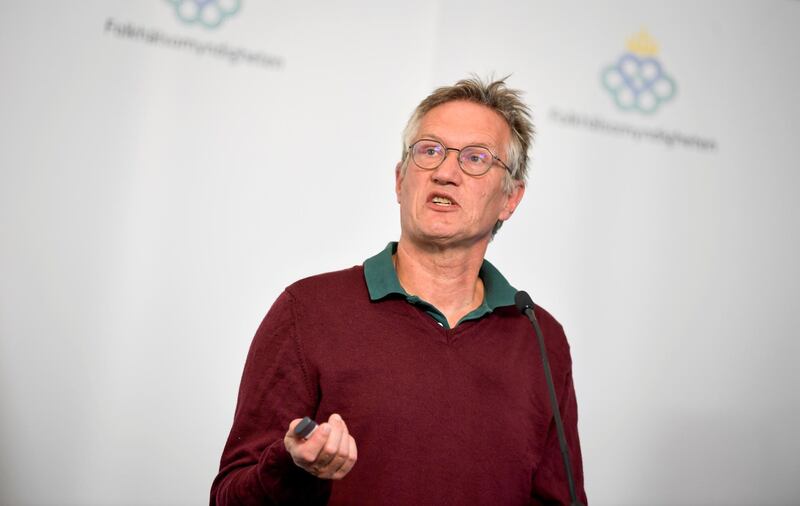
305 428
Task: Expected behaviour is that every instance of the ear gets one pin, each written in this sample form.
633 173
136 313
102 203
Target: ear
398 179
512 200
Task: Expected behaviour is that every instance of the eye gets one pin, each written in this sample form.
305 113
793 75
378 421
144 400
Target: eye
476 155
428 149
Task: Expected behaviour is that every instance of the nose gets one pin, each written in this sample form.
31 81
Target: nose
449 172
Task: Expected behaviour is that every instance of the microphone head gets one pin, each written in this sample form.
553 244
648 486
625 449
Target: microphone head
523 301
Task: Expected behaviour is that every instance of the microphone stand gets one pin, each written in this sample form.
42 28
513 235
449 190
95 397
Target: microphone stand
525 304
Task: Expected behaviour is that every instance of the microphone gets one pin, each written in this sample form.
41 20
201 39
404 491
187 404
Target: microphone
523 301
525 304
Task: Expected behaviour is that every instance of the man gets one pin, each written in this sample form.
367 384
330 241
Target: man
426 376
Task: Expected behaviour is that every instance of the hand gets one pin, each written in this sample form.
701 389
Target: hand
330 453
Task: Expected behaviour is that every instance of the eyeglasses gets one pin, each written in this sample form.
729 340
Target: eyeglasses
474 160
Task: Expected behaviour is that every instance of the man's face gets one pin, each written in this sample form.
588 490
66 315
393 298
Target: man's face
445 206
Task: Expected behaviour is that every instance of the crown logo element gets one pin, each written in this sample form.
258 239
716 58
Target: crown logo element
642 44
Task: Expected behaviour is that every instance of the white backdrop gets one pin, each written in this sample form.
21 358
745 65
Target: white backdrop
162 181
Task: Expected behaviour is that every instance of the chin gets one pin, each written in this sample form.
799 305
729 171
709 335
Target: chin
436 235
448 237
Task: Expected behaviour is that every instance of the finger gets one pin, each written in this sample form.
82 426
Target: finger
288 438
292 426
336 418
305 452
342 453
352 456
331 446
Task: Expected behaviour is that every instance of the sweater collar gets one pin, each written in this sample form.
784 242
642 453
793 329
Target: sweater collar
382 281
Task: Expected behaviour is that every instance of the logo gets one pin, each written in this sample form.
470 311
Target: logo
638 81
209 13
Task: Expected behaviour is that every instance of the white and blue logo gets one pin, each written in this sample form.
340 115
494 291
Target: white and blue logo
638 81
208 13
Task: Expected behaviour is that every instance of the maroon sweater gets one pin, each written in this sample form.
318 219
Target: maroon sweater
440 416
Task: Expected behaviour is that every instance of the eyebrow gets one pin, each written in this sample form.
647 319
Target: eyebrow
436 138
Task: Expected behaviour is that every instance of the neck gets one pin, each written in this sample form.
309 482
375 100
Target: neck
447 277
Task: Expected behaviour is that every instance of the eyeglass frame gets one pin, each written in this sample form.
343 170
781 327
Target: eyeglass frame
458 157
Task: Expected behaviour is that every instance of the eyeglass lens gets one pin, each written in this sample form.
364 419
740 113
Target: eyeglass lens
429 154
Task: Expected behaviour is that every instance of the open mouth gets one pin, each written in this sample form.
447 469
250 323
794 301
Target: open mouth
442 201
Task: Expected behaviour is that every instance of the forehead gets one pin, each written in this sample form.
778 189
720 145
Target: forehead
459 123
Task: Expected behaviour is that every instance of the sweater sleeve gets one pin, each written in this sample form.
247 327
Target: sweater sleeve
277 386
550 485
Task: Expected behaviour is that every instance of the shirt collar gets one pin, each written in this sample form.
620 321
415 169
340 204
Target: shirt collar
382 281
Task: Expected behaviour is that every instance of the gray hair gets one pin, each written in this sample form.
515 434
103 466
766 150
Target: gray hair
497 96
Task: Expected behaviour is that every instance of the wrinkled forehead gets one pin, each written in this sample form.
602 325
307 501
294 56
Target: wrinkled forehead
461 123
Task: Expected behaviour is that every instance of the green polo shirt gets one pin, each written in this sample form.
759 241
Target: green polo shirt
382 282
